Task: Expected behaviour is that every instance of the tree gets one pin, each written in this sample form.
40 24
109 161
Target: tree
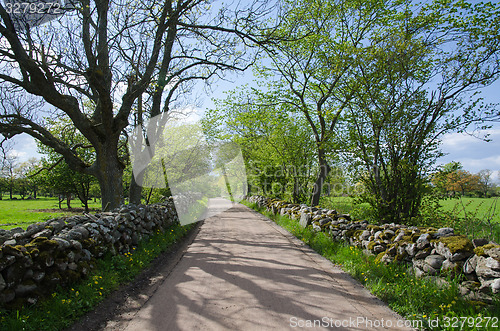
440 178
108 53
9 165
56 174
462 181
306 74
411 88
25 184
486 186
277 147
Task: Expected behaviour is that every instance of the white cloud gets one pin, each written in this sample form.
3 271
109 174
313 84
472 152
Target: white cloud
474 154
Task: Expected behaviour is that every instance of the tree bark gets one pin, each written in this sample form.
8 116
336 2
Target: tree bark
324 170
135 190
109 175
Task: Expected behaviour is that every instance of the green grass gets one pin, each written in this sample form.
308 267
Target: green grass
346 205
21 213
66 305
481 207
416 299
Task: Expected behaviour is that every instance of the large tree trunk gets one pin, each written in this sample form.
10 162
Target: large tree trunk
109 175
324 170
135 191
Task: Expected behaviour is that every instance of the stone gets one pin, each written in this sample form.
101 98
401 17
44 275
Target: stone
11 242
447 246
438 281
460 256
28 274
452 267
63 244
305 220
7 296
325 221
493 263
17 230
44 233
347 217
444 232
495 286
493 252
483 270
35 227
430 270
57 224
38 276
470 265
479 242
389 233
365 235
377 235
423 241
6 261
283 212
435 261
3 284
378 249
387 259
25 288
411 249
423 254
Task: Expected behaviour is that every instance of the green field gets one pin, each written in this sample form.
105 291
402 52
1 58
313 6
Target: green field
480 207
21 213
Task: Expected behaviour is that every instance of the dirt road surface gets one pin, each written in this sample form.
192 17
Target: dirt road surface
243 272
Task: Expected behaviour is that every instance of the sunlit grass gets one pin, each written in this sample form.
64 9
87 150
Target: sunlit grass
21 213
66 305
414 298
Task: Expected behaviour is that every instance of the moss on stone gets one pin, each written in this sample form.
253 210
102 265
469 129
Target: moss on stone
414 237
480 249
44 244
379 257
357 233
375 228
325 226
350 233
457 244
371 245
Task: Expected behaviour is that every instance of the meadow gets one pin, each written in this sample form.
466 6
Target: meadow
474 217
21 213
479 207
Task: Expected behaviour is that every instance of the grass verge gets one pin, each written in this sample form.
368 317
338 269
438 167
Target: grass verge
68 304
417 299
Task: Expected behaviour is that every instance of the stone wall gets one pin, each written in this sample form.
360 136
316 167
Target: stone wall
429 251
63 250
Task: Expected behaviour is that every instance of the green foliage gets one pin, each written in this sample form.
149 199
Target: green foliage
409 89
55 174
67 305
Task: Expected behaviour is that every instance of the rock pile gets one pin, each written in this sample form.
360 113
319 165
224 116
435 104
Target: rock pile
429 251
60 251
